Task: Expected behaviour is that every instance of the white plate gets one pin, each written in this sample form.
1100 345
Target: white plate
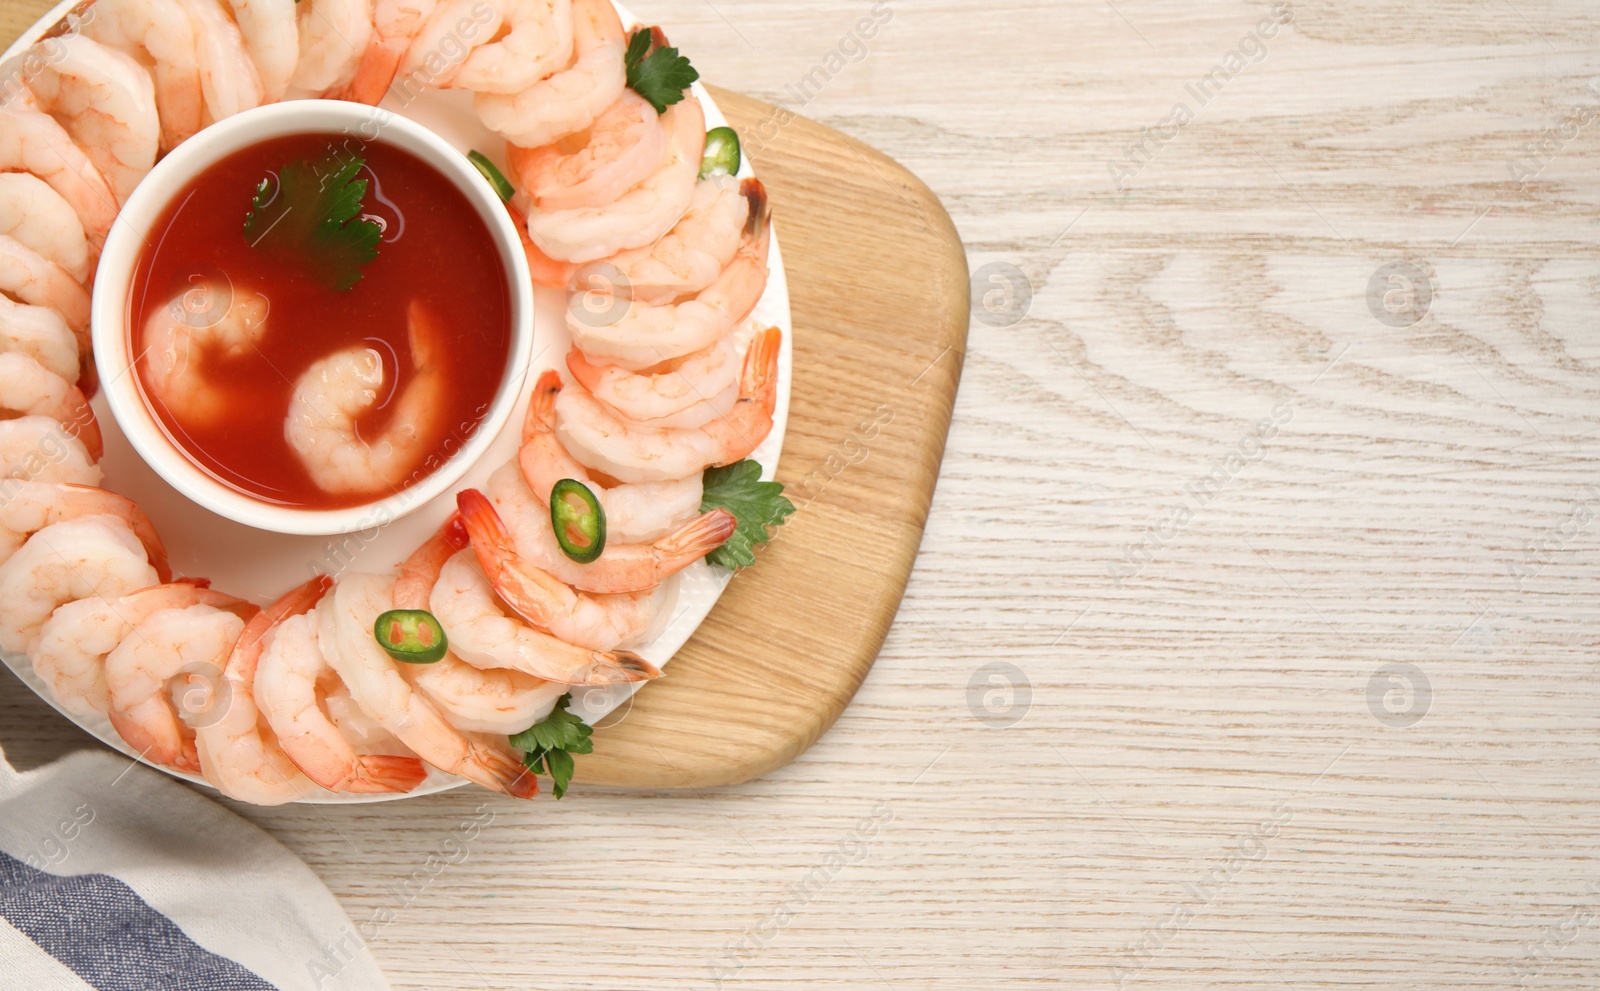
261 566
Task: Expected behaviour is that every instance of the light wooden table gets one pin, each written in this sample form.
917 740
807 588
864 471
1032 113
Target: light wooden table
1318 709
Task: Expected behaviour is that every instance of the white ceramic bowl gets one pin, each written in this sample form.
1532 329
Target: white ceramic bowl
113 342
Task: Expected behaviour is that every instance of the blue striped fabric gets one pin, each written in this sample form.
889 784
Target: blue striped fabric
106 934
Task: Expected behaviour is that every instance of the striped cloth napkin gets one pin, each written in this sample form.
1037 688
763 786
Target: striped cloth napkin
117 878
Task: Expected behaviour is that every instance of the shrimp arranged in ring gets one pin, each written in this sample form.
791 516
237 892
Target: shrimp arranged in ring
642 214
567 101
73 559
486 638
38 217
338 389
595 166
344 633
161 35
640 335
178 337
27 388
631 452
621 567
295 689
724 214
228 78
635 513
41 334
333 34
29 507
271 39
38 449
536 42
394 24
107 102
153 674
684 392
596 621
237 753
73 643
32 142
495 700
32 278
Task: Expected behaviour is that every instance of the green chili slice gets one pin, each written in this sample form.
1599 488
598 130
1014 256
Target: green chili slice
722 155
411 635
502 185
578 520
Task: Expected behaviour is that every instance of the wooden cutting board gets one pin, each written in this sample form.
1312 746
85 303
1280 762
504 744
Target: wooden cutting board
879 287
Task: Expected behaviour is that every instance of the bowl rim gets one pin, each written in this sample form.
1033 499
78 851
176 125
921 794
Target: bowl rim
111 336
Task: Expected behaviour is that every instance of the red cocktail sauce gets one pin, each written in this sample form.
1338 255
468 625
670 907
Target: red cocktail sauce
436 250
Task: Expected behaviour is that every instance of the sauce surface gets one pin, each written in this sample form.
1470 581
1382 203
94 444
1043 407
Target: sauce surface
436 253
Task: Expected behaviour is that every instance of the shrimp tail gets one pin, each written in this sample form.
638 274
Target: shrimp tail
759 380
694 540
375 774
760 208
542 407
500 770
630 663
374 74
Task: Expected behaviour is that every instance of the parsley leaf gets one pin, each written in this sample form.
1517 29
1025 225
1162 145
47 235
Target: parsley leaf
661 76
309 214
756 504
547 746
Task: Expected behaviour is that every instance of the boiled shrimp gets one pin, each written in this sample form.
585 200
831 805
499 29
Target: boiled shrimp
73 559
41 334
598 437
335 391
567 101
621 567
238 753
642 214
39 218
496 700
394 24
640 335
32 142
27 388
484 637
333 34
634 513
73 643
297 691
38 449
684 392
152 677
193 326
107 102
724 214
598 622
537 41
271 39
161 35
596 166
344 633
229 81
32 278
28 507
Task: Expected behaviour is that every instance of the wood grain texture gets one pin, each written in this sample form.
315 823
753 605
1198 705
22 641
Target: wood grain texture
1198 768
